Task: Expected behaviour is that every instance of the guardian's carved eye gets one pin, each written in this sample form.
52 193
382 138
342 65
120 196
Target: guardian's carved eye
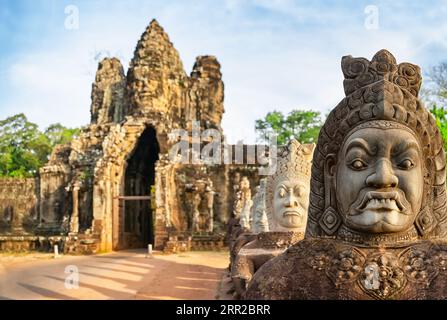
282 192
406 164
358 164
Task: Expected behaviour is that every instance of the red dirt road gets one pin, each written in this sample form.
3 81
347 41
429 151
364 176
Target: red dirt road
120 275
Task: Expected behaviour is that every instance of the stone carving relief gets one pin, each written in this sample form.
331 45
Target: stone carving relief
259 221
18 205
286 199
201 195
245 203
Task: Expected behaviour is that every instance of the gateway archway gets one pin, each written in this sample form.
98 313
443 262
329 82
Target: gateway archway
136 209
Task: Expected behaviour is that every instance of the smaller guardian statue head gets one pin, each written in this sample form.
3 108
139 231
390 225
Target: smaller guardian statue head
287 190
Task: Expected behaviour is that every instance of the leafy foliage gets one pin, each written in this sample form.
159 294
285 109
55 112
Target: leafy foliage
434 94
24 148
440 115
301 125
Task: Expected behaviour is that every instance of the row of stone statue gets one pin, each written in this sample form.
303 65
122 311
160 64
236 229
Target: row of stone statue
201 196
359 215
265 225
249 212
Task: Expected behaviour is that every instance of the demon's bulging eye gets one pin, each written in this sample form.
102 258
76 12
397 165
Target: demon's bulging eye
282 192
358 164
406 164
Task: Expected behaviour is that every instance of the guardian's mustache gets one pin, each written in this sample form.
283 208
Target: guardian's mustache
297 211
383 199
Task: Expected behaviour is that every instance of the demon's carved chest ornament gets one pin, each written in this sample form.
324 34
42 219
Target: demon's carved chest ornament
380 274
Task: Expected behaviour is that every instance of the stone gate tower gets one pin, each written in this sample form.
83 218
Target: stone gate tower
114 186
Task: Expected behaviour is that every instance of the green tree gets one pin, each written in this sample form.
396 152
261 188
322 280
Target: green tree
434 94
301 125
58 134
24 148
17 135
440 115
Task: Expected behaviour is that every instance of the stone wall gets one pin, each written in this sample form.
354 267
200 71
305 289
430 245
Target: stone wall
18 205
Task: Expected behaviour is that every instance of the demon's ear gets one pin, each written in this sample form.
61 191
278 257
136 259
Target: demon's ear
330 164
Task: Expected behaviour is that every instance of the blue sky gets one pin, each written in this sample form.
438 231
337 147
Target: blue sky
276 54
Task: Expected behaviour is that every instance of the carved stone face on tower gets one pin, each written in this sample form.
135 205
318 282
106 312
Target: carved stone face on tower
379 179
288 189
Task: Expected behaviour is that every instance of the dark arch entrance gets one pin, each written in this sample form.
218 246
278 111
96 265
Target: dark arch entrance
139 178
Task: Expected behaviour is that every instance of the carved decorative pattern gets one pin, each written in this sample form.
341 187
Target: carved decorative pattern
440 260
373 239
391 276
425 221
318 257
360 72
346 266
380 274
419 266
278 240
330 221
